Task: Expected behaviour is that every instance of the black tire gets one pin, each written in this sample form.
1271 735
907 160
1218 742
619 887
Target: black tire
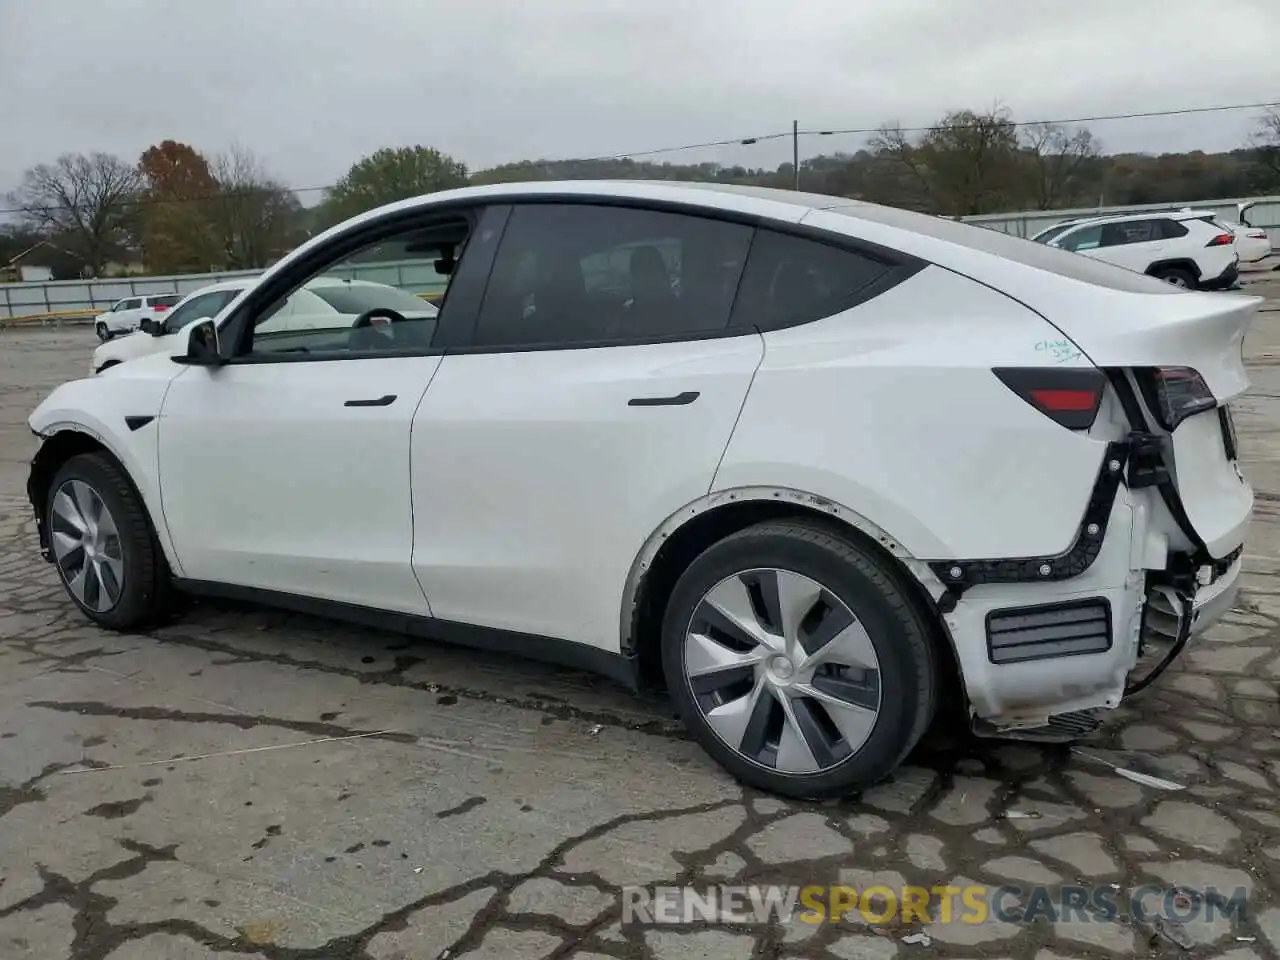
874 592
103 332
1179 276
146 593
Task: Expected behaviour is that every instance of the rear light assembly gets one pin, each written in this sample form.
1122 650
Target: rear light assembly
1257 235
1175 393
1222 240
160 307
1069 397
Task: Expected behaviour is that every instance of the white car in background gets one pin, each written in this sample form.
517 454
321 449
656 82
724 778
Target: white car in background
858 462
1186 248
320 302
1252 243
126 315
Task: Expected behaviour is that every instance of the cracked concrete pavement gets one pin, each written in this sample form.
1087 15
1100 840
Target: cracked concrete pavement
258 785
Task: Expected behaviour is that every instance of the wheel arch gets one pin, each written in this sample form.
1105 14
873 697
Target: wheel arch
1175 263
67 440
685 534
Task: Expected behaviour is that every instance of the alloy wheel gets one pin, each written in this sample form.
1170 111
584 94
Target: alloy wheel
782 671
86 546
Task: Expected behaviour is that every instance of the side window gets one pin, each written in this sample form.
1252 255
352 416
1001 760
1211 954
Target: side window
133 303
1086 238
575 274
373 301
791 280
1129 231
1170 229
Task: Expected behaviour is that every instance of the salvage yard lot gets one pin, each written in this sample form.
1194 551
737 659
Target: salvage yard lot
249 783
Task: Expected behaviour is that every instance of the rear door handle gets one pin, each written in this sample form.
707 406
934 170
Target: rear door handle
383 401
678 400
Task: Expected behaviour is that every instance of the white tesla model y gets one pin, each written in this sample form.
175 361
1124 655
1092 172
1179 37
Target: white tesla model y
815 466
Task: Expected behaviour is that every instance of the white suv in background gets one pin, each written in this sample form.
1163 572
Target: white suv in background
125 315
1186 248
156 335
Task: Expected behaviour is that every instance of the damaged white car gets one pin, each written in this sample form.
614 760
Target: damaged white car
815 466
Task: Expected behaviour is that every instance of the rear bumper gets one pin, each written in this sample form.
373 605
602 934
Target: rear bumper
1225 279
1083 653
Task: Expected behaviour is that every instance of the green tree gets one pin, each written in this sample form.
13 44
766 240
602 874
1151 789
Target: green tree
392 174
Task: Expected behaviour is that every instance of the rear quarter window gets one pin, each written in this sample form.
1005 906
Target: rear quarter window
1010 247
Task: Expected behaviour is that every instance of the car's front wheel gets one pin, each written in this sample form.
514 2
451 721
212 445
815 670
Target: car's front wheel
103 332
799 660
102 544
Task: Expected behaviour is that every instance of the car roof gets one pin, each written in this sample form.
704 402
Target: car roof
949 243
238 283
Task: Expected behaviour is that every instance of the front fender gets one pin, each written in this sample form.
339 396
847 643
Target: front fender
122 415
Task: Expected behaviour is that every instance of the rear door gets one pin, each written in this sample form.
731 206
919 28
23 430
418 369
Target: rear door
592 400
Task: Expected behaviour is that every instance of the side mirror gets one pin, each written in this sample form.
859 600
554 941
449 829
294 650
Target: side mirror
153 327
198 344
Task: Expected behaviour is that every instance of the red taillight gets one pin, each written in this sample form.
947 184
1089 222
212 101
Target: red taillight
160 307
1175 393
1069 397
1257 235
1221 240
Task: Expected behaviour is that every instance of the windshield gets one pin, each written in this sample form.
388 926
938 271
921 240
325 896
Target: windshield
359 298
1056 231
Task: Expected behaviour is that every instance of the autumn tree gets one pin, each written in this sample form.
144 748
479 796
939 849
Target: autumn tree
392 174
253 215
177 230
84 200
1059 162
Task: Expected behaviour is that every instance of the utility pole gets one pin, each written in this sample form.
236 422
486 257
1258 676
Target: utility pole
795 153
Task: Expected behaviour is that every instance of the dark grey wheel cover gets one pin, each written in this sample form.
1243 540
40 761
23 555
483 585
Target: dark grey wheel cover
782 671
86 546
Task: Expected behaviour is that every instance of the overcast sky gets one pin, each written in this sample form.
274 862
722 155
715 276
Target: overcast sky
311 85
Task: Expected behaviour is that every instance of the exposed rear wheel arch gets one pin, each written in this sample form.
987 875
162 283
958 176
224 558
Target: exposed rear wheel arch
108 365
643 628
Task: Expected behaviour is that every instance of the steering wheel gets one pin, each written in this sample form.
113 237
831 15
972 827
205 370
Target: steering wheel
365 335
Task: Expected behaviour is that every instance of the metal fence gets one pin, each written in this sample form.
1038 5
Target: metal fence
81 298
78 299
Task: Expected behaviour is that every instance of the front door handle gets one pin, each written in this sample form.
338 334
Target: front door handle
678 400
383 401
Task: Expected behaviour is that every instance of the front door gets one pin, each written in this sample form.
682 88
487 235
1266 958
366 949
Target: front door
594 400
287 468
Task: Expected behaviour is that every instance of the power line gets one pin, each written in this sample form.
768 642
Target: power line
1146 115
750 141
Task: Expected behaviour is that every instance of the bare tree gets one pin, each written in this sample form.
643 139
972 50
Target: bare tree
1057 158
1266 142
966 164
84 200
253 212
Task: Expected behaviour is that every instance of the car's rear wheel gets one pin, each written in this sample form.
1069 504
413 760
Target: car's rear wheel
1178 276
799 660
102 544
